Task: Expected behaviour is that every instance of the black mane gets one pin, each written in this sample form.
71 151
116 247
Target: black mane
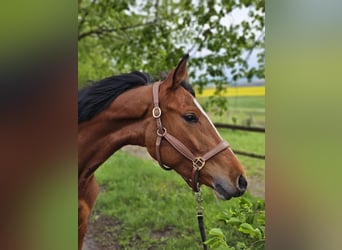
97 97
188 88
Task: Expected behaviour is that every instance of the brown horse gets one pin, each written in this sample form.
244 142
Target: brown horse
165 118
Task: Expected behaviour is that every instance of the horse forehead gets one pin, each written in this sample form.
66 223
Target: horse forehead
182 98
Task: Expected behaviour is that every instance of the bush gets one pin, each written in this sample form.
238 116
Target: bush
240 227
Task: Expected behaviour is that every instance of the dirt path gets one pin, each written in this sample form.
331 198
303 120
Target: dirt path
100 234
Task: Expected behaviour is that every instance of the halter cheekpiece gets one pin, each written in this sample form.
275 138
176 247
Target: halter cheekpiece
198 162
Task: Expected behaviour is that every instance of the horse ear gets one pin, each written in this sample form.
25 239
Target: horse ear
179 74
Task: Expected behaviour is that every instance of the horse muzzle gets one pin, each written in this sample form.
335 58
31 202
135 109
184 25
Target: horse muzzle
226 191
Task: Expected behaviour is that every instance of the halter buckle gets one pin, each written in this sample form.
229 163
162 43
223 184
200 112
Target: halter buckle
161 132
156 112
198 163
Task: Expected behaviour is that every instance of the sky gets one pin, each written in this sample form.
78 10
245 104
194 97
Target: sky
235 17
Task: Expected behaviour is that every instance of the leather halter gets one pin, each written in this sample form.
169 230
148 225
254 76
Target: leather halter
198 162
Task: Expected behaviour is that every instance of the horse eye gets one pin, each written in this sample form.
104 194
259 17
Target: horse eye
190 118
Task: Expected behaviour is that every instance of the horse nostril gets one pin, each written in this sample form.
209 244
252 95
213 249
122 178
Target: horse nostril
242 183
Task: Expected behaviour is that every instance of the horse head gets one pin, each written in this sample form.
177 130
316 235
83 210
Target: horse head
188 141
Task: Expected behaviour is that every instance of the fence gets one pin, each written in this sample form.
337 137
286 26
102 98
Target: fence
244 128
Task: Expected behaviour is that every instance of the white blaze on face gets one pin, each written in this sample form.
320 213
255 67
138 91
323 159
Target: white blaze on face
205 115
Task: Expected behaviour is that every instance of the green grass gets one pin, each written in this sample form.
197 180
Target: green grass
241 111
249 142
249 102
148 201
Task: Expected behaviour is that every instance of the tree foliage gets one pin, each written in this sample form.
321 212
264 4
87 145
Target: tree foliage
152 35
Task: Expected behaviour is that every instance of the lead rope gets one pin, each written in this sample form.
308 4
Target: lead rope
197 161
199 211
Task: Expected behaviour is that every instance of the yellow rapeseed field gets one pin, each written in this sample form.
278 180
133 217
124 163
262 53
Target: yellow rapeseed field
235 91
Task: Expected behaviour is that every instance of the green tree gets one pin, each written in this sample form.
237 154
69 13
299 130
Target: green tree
152 35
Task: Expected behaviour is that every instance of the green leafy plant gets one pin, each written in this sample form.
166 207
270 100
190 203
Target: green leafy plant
241 227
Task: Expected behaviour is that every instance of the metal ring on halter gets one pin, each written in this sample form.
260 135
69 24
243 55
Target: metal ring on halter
156 112
198 163
163 133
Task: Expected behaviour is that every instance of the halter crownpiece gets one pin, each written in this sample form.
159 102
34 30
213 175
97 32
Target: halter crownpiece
198 162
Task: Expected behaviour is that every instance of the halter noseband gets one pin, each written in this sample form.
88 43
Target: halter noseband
198 162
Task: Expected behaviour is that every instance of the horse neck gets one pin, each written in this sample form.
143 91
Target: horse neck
124 122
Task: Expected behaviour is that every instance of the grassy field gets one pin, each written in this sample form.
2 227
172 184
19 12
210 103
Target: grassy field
241 110
248 142
147 208
150 208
